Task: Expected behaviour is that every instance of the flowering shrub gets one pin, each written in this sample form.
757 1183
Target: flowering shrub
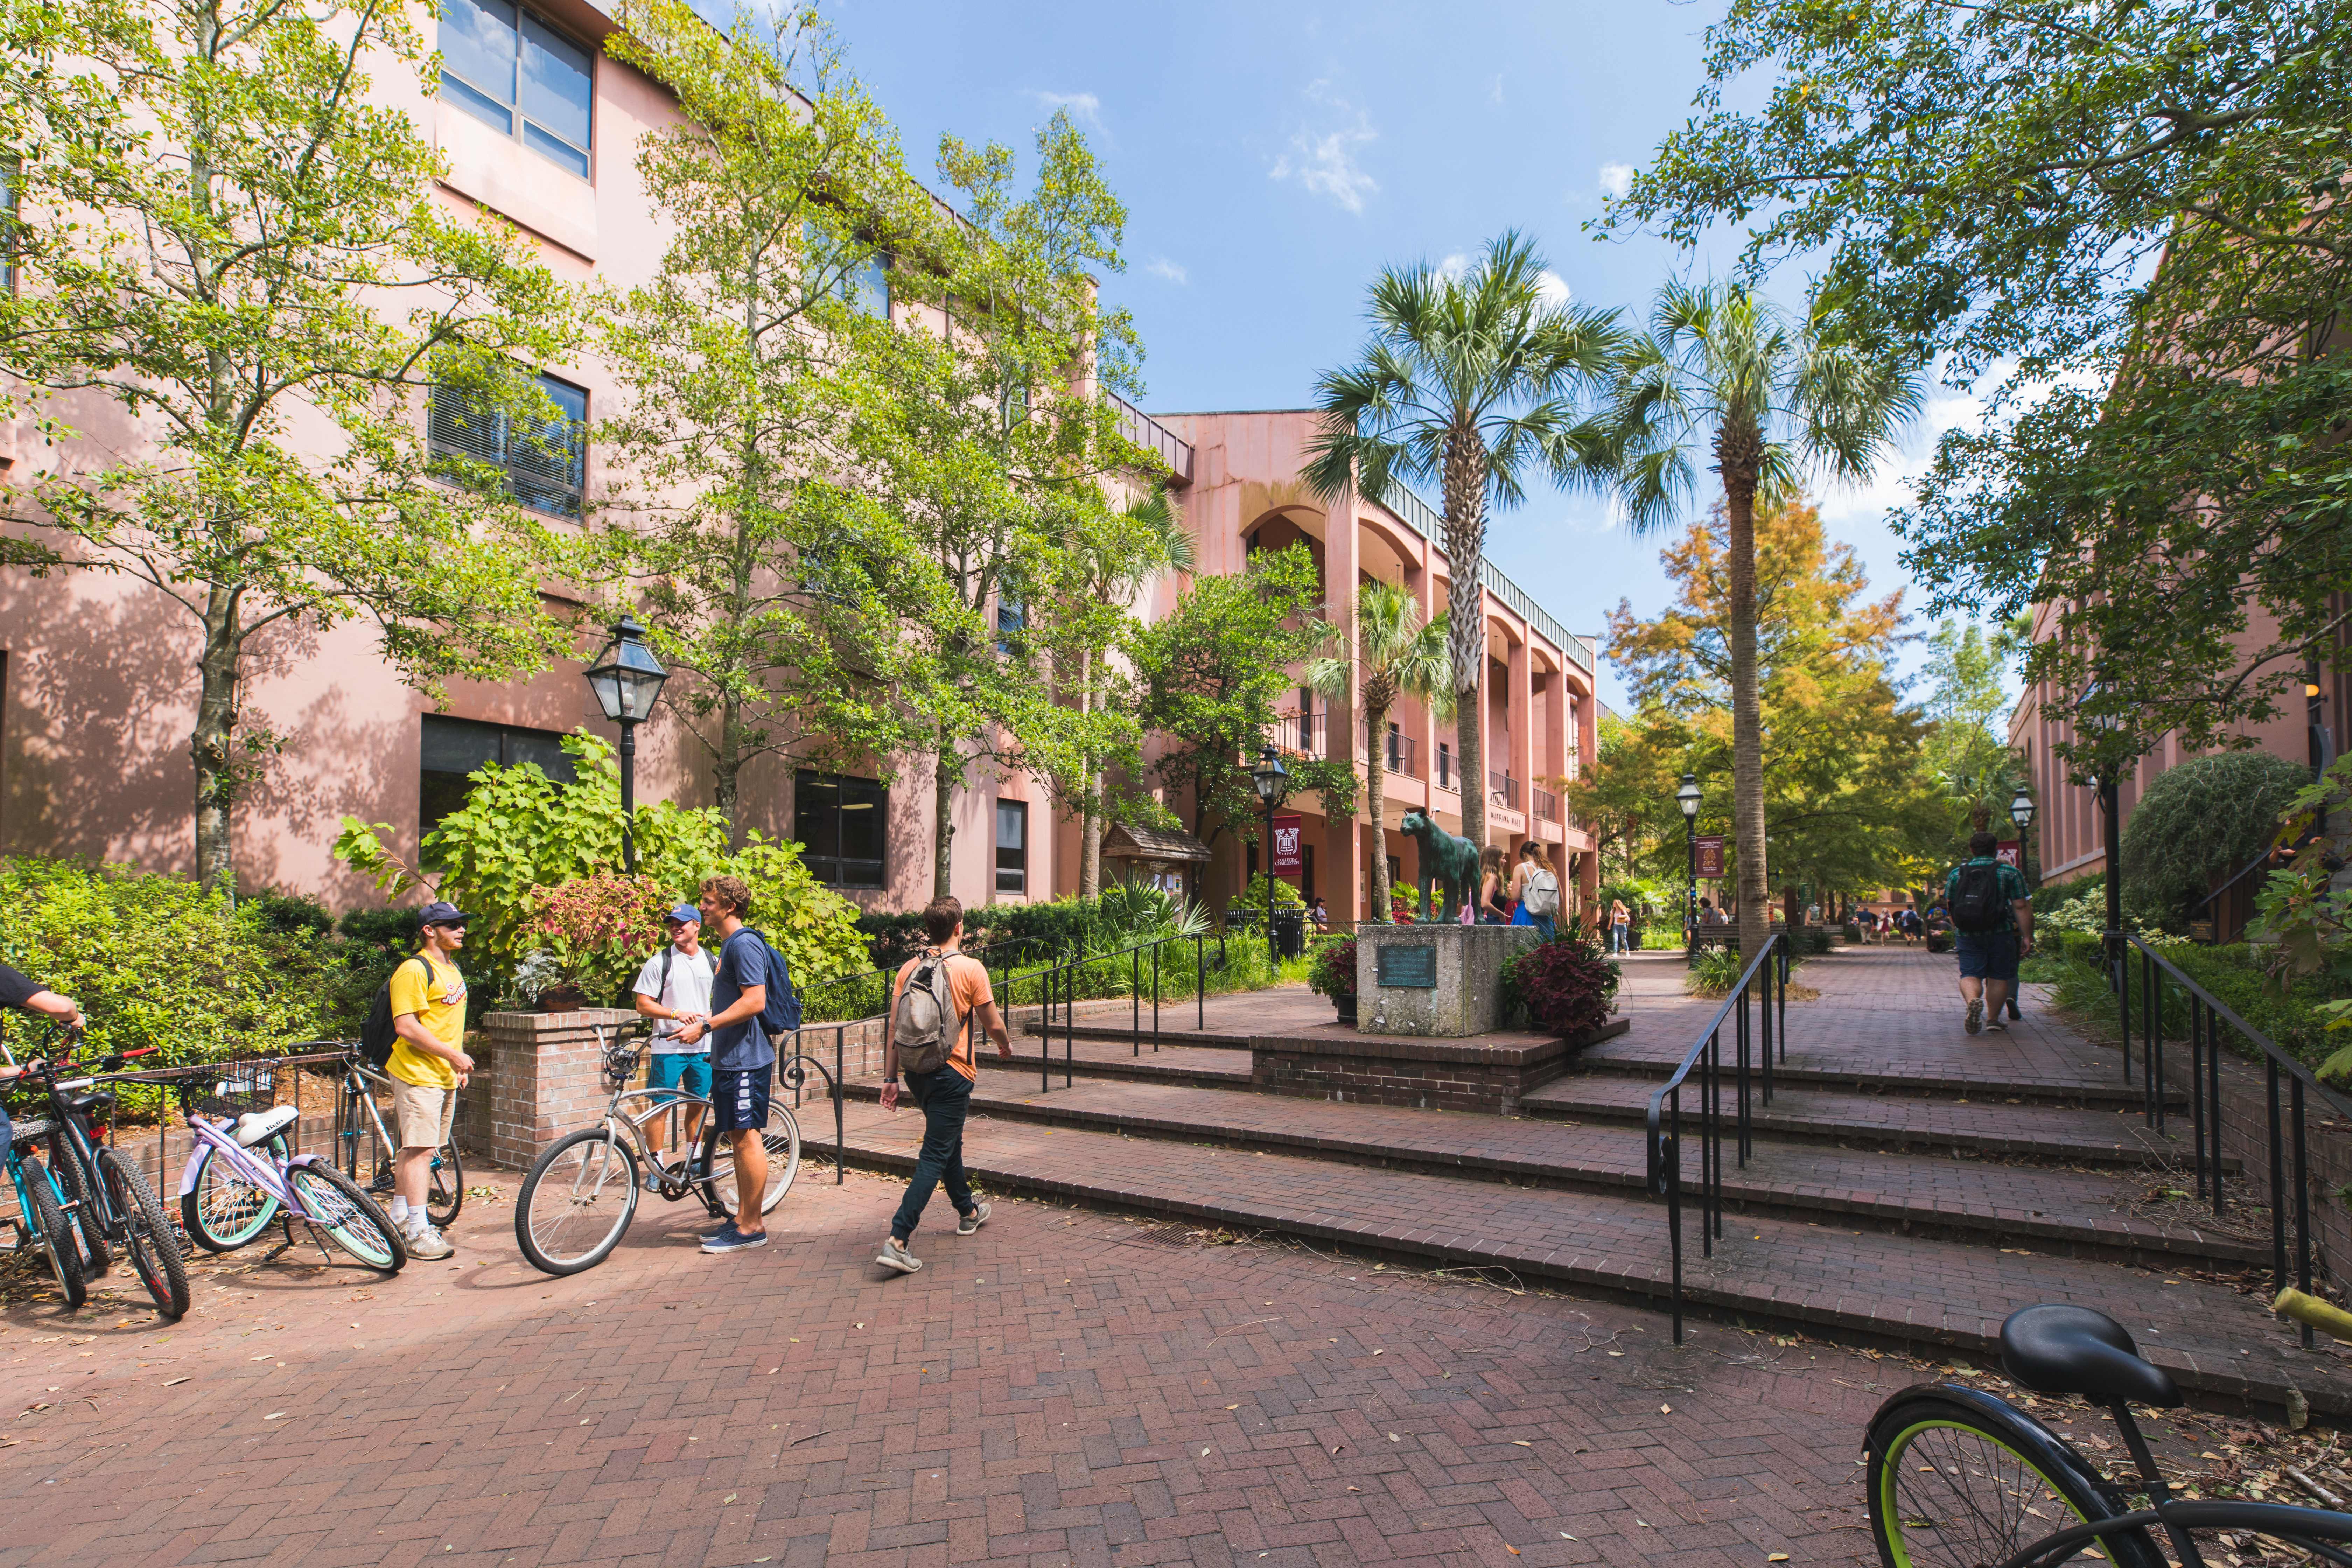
1566 985
1332 971
597 930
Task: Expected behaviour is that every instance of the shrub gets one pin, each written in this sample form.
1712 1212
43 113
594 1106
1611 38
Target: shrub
2201 823
1566 986
1332 972
594 933
1253 897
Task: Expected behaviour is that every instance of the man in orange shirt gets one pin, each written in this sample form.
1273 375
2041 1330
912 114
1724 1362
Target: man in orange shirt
945 1094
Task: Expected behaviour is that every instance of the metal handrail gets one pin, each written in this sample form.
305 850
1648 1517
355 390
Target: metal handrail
2268 859
1665 1134
2207 1012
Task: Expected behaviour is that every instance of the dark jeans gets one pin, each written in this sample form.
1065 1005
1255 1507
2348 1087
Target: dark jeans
945 1098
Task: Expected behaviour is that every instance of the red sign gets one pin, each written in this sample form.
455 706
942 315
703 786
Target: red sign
1710 854
2011 852
1288 835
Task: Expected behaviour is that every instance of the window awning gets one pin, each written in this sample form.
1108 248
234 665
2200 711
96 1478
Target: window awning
1125 843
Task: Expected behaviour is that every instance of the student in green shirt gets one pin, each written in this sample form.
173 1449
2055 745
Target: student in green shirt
1992 920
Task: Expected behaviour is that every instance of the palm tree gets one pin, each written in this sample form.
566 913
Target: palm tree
1469 381
1774 398
1394 654
1143 540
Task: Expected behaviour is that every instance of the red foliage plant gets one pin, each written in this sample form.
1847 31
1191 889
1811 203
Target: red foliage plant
1567 984
606 911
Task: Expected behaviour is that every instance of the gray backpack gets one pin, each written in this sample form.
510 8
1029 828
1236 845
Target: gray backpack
1541 895
925 1025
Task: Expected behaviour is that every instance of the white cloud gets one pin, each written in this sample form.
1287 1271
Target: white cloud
1495 93
1555 289
1616 179
1323 161
1160 266
1084 107
1456 265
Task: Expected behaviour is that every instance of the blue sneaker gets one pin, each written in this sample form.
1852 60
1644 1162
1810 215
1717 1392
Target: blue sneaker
715 1235
733 1240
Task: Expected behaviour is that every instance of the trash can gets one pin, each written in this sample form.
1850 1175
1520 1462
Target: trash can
1290 932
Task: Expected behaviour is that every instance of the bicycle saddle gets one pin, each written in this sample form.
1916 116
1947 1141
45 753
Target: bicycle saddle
256 1126
90 1104
2073 1350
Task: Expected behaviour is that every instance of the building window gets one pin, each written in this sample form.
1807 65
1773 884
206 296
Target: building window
12 176
1011 845
509 70
840 823
544 462
1011 615
866 284
454 748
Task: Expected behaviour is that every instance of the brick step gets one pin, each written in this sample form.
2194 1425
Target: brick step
1975 1125
1095 1058
1125 1035
1989 1205
1632 1058
1867 1287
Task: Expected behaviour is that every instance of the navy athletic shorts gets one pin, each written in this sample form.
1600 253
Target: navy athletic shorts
738 1099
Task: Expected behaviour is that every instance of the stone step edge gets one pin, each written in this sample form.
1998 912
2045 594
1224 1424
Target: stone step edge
1191 1038
2137 1238
2034 1091
1876 1330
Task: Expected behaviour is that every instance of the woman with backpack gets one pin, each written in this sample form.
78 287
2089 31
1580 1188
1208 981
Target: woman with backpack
1535 891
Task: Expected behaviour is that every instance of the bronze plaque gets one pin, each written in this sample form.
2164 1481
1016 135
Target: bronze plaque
1405 966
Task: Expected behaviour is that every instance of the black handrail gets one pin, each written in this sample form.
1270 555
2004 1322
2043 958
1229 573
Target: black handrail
2207 1013
1706 1054
2268 858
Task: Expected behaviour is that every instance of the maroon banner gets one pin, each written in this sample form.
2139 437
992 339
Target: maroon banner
1710 854
1288 837
2011 852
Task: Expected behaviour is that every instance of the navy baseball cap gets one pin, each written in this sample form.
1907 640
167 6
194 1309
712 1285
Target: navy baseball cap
684 912
440 912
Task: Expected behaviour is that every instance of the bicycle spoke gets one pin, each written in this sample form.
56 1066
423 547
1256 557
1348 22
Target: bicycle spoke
1965 1499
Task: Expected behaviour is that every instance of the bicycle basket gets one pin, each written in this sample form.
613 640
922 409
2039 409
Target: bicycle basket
241 1087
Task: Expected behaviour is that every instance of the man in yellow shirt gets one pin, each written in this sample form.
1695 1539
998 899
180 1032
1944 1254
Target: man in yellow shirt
428 1066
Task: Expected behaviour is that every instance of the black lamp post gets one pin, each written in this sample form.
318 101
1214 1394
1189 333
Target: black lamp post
2020 812
1268 777
1687 797
627 682
2107 747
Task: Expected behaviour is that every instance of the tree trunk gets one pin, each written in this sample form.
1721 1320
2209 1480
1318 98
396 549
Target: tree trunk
726 768
1090 819
1740 450
209 744
944 779
1465 546
1376 758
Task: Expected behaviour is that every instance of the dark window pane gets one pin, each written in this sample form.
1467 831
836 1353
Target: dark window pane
478 46
458 745
463 422
840 825
1012 847
543 749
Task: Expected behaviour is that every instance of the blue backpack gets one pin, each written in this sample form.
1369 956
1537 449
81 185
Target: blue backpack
781 1013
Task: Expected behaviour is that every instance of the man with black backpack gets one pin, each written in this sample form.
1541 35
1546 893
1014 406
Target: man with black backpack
742 1058
939 996
1992 923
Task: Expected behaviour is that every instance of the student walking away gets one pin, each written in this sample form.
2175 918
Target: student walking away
26 995
940 995
1992 921
428 1066
674 990
1535 891
742 1058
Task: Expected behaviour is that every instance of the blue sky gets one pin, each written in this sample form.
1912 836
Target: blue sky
1274 157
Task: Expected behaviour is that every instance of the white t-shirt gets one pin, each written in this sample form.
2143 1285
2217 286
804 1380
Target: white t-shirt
688 991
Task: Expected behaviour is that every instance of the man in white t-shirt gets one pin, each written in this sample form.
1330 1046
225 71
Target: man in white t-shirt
673 991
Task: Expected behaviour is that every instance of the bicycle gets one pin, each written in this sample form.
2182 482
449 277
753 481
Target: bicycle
1957 1476
581 1195
40 1219
109 1198
358 1118
240 1177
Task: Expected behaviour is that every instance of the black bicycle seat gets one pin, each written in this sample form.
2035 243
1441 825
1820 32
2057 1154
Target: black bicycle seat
2073 1350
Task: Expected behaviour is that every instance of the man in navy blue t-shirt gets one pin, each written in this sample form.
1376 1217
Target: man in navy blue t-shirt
742 1061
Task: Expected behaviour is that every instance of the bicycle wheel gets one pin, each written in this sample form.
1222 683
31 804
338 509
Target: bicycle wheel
577 1202
1957 1479
47 1220
147 1237
347 1216
444 1187
81 1194
223 1210
781 1138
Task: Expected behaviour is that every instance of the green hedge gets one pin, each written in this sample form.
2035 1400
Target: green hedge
2232 975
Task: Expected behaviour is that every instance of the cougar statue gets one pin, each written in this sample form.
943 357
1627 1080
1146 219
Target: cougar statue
1445 857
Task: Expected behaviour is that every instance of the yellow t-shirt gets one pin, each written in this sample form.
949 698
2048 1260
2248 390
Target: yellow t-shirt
442 1005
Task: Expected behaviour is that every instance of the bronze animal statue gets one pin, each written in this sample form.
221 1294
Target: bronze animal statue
1446 858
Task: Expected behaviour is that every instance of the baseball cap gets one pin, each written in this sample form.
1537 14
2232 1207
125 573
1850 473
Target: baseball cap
440 912
683 913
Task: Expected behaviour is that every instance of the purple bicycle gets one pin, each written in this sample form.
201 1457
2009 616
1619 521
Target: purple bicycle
241 1176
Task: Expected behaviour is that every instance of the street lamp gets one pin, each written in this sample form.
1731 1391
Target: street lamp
1687 797
2020 812
2106 747
626 683
1268 777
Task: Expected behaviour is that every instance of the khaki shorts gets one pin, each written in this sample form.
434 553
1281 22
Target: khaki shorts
423 1114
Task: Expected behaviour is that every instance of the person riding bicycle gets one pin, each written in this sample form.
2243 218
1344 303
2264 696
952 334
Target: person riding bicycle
28 996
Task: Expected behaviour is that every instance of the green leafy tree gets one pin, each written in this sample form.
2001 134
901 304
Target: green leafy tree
2128 220
2201 822
231 243
1393 654
1770 398
1967 746
779 184
1471 381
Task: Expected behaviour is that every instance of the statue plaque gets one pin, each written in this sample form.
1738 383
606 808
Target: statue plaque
1414 966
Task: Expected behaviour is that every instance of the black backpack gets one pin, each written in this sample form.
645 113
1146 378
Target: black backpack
1977 904
377 1036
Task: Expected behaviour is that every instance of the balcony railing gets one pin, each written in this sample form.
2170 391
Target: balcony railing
1504 790
1449 776
1547 806
1303 733
1401 756
1429 523
1145 431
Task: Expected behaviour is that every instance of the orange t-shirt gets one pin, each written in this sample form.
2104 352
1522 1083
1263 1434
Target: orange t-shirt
968 984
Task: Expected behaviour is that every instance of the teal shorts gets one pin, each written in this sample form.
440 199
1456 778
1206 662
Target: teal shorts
686 1071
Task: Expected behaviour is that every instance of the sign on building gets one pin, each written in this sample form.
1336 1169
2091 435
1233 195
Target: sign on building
1710 854
1288 844
2011 852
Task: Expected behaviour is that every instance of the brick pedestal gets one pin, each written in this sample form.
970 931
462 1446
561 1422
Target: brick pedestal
543 1077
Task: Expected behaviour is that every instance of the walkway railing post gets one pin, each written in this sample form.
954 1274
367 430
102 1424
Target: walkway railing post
1135 1000
1674 1201
840 1117
2278 1190
2119 976
1200 984
2302 1204
1045 1033
2213 1103
2196 1086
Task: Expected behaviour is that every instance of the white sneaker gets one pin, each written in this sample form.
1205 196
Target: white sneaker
425 1242
894 1254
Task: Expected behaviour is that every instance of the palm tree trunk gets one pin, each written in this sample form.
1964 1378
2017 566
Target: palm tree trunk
1376 727
1465 546
1739 450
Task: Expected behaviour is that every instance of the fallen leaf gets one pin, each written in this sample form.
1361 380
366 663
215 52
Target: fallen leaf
278 1415
1232 1407
773 1370
1778 1557
1666 1410
1355 1489
1205 1453
1617 1353
1521 1443
1336 1446
1384 1352
729 1498
177 1380
1566 1536
1644 1524
1511 1548
1394 1438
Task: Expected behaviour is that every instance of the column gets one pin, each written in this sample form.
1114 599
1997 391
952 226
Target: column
1342 840
1520 712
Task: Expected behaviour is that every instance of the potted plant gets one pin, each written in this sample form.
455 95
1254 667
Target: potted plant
594 931
1333 974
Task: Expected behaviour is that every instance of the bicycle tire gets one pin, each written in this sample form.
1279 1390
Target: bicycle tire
147 1237
48 1223
2002 1480
781 1138
577 1176
444 1187
349 1217
82 1191
224 1212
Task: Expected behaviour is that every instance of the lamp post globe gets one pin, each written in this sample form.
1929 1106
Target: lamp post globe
1687 797
1267 778
627 682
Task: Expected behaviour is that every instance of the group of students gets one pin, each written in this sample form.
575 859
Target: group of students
1529 898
